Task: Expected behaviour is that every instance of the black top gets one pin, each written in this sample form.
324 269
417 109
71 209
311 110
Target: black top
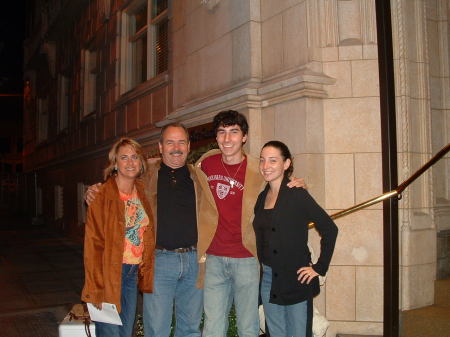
263 225
288 245
176 210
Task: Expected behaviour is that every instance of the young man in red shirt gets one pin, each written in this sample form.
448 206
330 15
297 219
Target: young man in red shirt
231 183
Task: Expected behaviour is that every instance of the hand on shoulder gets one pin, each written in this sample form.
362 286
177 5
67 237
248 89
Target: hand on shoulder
91 193
297 182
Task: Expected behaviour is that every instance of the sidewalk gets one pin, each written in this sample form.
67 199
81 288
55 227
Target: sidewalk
41 276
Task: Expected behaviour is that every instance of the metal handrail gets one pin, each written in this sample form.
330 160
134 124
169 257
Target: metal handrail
395 192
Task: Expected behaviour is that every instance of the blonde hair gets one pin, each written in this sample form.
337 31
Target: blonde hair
111 169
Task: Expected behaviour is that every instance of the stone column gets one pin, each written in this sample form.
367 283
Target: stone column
420 68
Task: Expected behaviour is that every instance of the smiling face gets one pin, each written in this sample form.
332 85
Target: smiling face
230 140
272 164
174 147
128 162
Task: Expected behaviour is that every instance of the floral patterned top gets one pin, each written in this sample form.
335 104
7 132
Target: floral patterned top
136 222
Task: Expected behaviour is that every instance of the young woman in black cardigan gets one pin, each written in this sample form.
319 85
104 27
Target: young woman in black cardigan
290 280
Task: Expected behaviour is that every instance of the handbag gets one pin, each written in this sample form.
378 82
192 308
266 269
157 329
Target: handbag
79 312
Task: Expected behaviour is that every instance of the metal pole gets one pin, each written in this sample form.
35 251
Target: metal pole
389 168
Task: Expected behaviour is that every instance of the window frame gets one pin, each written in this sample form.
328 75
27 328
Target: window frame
63 103
127 65
90 72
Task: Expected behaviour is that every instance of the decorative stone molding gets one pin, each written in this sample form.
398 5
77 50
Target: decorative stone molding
313 21
283 87
368 22
413 105
254 95
210 4
340 30
330 36
402 88
419 211
350 21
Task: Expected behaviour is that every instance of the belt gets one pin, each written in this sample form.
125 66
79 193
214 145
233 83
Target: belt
177 250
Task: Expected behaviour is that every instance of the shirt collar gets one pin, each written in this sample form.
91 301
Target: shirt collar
181 171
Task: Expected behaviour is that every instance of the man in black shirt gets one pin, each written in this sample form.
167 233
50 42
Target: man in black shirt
172 194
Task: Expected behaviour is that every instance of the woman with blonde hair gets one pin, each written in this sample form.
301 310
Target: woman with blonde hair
119 239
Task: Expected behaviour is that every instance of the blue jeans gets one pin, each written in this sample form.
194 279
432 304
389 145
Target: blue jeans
282 320
174 281
229 279
128 301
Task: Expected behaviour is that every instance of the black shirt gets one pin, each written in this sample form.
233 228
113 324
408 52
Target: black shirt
176 210
263 224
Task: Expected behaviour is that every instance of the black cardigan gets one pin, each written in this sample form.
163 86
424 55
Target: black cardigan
293 210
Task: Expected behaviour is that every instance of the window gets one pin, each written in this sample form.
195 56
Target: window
63 102
105 9
89 60
59 205
160 23
145 49
81 211
42 122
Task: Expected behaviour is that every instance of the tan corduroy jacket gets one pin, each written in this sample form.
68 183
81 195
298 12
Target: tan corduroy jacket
208 216
104 244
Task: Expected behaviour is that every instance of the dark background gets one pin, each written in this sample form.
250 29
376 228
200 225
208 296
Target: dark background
12 33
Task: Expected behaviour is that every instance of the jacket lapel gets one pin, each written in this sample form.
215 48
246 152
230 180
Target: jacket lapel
151 189
253 185
279 204
144 200
202 181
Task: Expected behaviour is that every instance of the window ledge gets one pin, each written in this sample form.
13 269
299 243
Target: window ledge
86 118
144 88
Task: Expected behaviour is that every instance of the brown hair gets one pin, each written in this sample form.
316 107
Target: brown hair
111 170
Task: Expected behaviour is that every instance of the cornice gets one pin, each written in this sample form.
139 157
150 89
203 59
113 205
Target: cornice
253 93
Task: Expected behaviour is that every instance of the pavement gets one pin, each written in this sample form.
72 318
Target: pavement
41 277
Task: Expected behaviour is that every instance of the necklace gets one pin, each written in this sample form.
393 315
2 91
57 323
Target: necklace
232 180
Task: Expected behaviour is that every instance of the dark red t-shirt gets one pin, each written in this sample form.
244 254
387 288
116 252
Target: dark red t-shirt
227 186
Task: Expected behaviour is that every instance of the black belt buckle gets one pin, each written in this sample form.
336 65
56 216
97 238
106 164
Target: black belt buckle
178 250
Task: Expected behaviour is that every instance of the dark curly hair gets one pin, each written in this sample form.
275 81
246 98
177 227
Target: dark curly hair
285 153
229 118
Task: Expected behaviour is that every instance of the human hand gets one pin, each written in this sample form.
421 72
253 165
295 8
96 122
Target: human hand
153 161
97 305
297 182
91 192
306 274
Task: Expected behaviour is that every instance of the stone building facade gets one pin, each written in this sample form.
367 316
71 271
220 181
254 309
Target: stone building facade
302 71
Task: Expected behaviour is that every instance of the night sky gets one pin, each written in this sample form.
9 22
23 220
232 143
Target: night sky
12 32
